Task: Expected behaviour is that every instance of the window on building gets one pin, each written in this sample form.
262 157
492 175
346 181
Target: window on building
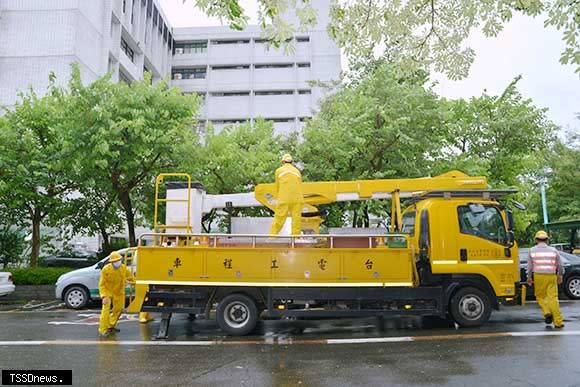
149 7
234 67
303 64
231 94
143 3
124 78
124 5
127 50
155 15
274 66
302 39
274 92
231 121
132 15
239 41
165 33
304 92
160 25
260 41
304 119
198 47
280 119
189 73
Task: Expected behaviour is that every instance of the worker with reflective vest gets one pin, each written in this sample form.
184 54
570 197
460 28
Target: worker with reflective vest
114 276
545 265
289 198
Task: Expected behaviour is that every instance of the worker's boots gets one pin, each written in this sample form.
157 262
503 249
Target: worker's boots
548 319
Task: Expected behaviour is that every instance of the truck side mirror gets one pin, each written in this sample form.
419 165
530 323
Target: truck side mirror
510 220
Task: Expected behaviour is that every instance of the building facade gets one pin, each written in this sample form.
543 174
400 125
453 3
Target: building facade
125 37
242 79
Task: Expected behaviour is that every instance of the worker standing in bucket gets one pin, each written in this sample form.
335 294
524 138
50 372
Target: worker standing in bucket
289 198
114 276
545 264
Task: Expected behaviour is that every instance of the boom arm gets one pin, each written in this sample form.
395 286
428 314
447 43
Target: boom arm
315 193
325 192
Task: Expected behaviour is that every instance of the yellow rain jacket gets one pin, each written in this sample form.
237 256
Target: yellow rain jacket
289 198
112 286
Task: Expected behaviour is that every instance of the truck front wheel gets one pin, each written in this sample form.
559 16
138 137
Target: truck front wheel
237 314
470 307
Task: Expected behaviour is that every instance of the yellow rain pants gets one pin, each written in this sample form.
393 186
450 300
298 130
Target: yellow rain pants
546 291
112 287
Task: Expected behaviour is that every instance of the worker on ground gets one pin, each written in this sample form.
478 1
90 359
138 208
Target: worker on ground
545 265
114 277
289 199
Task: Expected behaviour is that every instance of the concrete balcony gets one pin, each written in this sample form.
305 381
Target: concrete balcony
233 80
229 107
271 106
273 78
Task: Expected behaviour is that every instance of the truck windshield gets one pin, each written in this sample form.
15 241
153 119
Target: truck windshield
482 221
408 226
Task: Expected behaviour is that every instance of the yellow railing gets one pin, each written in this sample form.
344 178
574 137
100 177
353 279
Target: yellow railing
158 226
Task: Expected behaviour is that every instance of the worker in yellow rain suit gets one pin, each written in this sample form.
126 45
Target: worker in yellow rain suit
114 276
545 265
289 198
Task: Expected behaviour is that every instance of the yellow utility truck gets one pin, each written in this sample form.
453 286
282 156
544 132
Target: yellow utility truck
449 253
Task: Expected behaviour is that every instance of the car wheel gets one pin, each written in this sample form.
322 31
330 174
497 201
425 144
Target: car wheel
76 297
470 307
237 314
572 288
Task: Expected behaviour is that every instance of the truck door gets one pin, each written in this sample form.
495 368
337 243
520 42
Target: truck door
482 236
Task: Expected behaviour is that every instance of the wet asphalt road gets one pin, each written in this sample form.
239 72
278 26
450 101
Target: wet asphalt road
305 353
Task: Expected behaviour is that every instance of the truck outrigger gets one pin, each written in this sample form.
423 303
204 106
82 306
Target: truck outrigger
450 253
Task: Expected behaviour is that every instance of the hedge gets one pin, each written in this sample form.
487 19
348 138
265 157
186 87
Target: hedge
37 275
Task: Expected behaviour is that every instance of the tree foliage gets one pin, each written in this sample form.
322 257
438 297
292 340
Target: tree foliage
237 158
381 127
412 33
33 184
119 137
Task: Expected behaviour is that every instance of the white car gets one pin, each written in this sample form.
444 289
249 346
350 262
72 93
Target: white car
78 287
6 284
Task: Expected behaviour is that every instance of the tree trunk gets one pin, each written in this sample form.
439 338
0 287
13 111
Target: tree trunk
106 243
126 203
35 252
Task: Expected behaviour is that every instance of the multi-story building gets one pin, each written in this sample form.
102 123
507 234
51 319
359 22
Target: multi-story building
239 77
242 80
125 37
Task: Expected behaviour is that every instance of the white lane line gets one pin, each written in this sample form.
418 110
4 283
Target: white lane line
287 340
547 333
16 343
370 340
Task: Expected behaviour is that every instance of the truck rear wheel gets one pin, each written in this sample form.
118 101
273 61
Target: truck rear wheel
470 307
237 314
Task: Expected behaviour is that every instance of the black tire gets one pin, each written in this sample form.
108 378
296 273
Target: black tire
470 307
76 297
237 314
572 287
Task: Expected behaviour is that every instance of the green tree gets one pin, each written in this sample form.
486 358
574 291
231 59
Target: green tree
120 137
381 127
413 33
498 136
12 245
239 157
33 182
563 180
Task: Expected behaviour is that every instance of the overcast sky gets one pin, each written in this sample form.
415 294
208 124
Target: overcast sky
524 47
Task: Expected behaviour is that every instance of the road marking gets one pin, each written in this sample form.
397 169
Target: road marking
288 340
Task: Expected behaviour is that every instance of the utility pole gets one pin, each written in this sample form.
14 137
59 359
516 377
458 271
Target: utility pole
544 205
